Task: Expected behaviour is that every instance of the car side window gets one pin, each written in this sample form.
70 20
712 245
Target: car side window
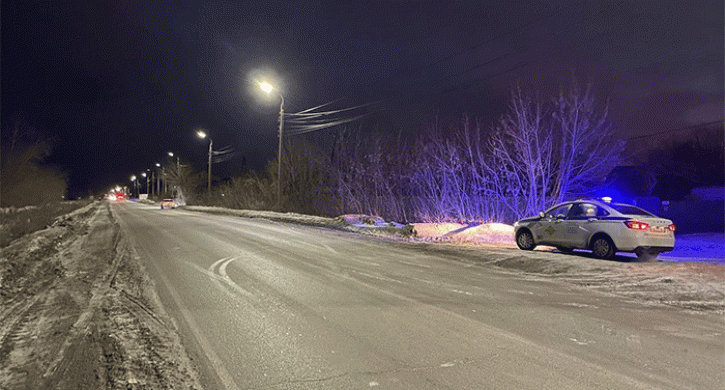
586 211
559 212
602 212
576 212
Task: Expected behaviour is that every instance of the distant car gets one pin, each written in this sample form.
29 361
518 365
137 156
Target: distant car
116 197
604 228
168 204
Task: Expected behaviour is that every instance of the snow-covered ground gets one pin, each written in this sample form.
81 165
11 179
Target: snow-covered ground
701 247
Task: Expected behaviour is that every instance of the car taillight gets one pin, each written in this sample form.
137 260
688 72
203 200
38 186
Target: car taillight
671 227
637 225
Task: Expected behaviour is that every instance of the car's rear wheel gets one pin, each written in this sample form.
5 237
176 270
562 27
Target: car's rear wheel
603 247
525 240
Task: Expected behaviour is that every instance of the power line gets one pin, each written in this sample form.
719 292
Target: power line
675 130
528 63
527 47
321 126
499 36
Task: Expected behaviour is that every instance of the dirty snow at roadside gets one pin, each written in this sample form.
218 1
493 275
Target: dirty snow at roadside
77 310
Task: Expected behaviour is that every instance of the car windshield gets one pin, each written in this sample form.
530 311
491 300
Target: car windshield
628 209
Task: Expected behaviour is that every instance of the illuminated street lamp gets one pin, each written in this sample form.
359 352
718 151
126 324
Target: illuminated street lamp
177 186
202 135
268 88
178 165
158 178
147 182
135 183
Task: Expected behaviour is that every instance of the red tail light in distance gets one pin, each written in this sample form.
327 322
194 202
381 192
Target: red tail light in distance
637 225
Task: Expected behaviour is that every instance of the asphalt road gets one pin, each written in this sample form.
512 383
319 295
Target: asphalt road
265 305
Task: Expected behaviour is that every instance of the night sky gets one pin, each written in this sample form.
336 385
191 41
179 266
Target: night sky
117 84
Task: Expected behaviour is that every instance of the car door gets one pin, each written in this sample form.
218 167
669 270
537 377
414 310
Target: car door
550 230
580 224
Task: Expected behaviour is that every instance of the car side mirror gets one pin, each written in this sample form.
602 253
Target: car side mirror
541 214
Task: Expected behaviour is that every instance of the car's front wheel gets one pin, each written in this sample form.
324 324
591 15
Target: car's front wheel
603 247
525 240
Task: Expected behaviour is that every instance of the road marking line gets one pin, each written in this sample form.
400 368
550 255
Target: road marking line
222 278
211 267
206 347
223 269
329 248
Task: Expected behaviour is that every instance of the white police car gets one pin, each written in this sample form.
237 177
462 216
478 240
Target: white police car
605 228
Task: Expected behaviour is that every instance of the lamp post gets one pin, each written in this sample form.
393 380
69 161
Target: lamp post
147 183
178 166
202 134
268 88
171 154
135 183
158 179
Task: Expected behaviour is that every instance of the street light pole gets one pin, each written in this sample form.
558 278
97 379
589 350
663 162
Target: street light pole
158 178
208 175
279 151
202 134
268 88
178 173
147 183
135 183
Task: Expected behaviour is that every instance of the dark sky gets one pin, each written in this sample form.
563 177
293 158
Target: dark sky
117 84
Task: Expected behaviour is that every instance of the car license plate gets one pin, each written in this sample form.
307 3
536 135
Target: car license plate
657 229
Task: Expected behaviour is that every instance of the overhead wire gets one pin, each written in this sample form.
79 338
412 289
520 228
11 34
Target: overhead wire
499 36
306 113
307 118
675 130
530 62
316 127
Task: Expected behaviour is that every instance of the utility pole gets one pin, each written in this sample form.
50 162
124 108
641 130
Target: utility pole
208 176
279 151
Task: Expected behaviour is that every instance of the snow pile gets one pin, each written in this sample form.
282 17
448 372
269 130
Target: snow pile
435 230
475 232
270 215
369 224
485 232
354 222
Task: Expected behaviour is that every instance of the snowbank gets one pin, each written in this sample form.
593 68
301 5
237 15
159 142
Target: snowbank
476 232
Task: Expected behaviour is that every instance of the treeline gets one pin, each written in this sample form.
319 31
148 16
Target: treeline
541 151
24 179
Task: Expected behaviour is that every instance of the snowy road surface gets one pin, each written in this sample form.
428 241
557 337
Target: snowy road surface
266 305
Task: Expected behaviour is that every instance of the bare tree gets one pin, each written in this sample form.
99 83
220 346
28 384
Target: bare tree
543 153
25 179
449 177
184 180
